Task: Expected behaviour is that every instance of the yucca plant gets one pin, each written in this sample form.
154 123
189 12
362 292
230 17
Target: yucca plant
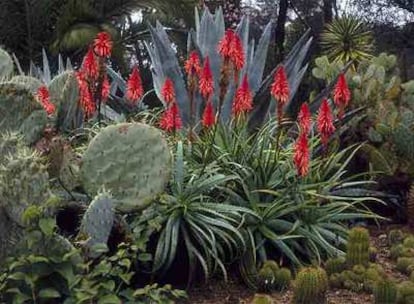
188 217
347 39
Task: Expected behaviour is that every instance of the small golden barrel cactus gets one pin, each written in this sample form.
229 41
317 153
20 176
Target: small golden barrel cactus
357 250
385 292
311 285
262 299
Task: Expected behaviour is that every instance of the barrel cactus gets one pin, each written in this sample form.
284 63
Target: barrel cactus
266 279
21 112
311 285
357 252
98 219
262 299
24 181
283 277
131 160
335 265
385 292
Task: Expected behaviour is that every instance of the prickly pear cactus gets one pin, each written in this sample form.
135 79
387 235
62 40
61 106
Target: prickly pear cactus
131 160
24 181
98 220
21 112
310 286
10 142
30 83
357 252
6 64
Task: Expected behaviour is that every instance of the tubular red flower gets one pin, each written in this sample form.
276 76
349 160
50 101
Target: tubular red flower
280 88
103 44
342 95
237 53
171 120
225 44
193 65
85 96
301 157
106 88
44 98
90 65
206 84
243 100
231 48
209 118
325 122
168 91
305 118
135 90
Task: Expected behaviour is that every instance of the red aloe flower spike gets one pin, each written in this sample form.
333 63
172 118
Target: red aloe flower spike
106 88
206 84
237 53
90 65
85 96
301 157
192 64
44 98
135 90
243 100
168 91
103 44
225 44
209 118
170 119
325 122
280 90
305 118
342 95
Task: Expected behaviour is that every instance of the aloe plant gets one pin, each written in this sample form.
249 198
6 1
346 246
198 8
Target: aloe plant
209 30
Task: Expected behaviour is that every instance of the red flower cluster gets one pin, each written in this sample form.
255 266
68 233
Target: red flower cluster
44 98
209 118
301 157
86 99
280 88
206 84
243 100
103 44
231 49
192 65
90 65
170 120
135 91
325 122
305 118
342 95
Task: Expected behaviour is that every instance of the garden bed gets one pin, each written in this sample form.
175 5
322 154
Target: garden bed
236 292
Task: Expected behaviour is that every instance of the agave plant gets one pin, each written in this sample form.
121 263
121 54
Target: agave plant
189 217
347 39
204 40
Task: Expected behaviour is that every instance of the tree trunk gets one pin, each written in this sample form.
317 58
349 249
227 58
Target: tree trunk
280 32
327 10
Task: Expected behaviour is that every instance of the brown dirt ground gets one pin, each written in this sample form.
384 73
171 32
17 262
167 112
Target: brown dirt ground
234 292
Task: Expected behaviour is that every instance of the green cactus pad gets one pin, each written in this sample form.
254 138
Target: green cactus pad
131 160
98 220
21 112
24 181
30 83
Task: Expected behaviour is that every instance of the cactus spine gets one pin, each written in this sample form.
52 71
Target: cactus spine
357 252
131 160
311 285
385 292
24 181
